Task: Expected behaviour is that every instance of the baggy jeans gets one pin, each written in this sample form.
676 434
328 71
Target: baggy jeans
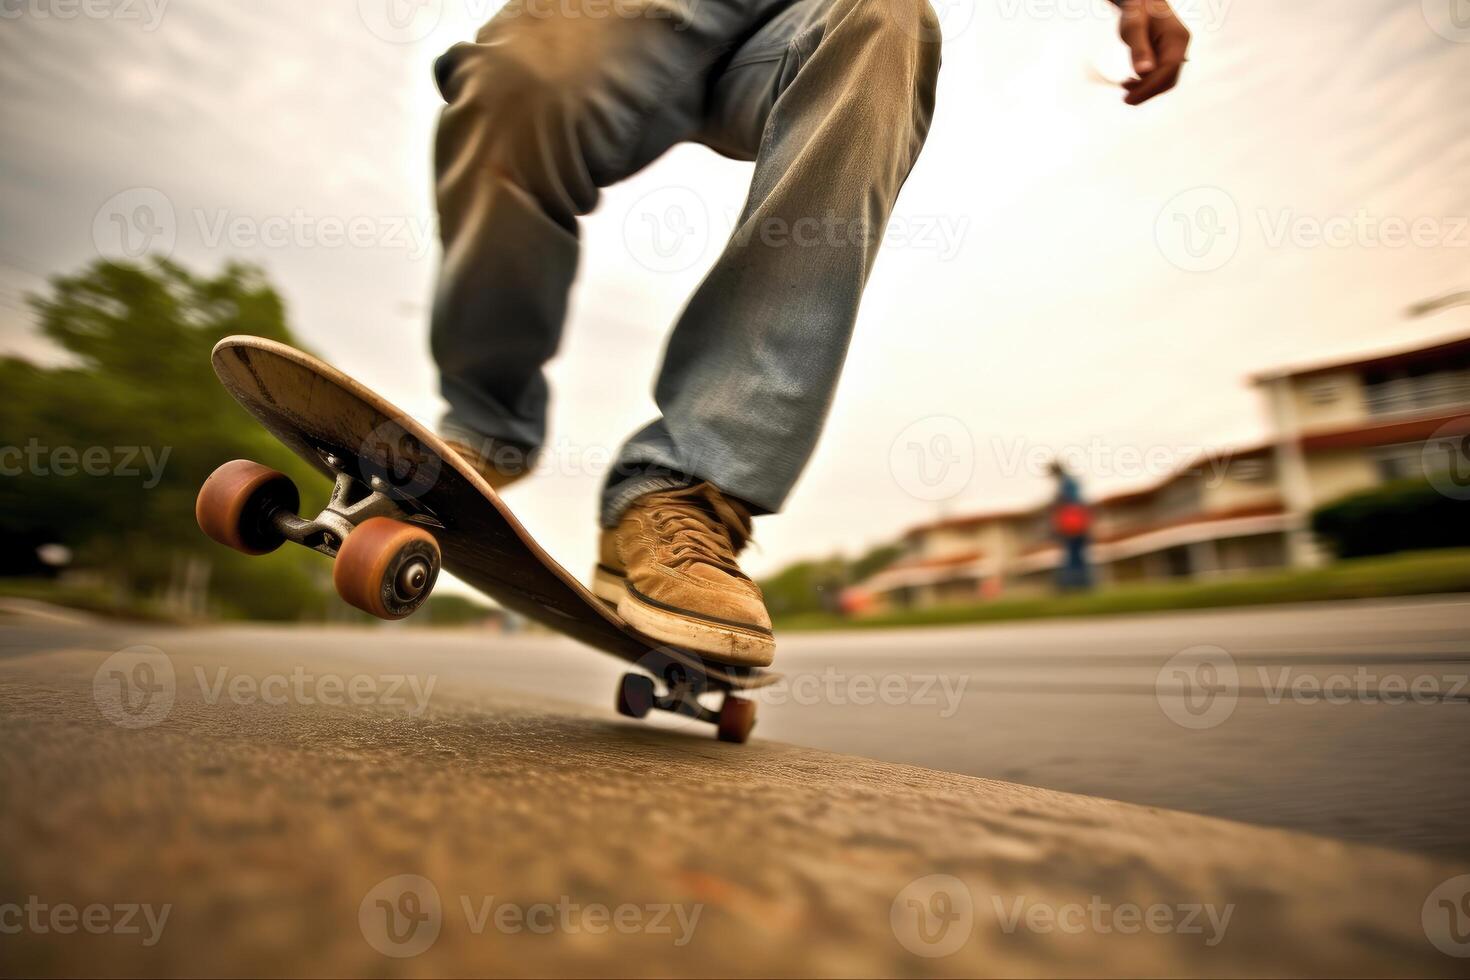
555 99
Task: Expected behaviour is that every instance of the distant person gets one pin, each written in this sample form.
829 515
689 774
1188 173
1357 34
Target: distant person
1071 524
832 100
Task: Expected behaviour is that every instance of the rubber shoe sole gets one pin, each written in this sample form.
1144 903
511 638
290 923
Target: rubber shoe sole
728 643
609 584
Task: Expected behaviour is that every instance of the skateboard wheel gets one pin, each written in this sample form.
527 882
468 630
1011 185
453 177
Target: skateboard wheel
235 505
635 695
386 567
737 718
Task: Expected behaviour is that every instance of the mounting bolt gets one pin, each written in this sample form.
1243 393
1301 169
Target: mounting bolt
412 579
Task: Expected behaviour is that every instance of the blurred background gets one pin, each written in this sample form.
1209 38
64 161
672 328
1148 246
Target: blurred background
1148 479
1255 258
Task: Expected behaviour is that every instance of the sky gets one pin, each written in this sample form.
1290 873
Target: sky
1063 274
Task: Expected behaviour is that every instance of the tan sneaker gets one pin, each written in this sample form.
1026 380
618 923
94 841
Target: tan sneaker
609 578
500 463
670 566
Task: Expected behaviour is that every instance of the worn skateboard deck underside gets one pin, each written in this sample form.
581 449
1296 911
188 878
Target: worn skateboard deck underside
319 412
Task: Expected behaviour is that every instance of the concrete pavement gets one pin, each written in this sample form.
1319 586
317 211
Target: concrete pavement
261 801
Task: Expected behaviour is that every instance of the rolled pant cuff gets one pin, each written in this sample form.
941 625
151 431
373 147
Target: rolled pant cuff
617 498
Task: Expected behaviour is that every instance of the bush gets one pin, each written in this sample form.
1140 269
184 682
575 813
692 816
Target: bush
136 385
1417 573
816 586
1408 515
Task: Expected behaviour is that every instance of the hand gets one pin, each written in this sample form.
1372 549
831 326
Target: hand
1157 41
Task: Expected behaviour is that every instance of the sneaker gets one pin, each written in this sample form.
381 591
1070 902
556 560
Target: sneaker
670 565
500 463
609 578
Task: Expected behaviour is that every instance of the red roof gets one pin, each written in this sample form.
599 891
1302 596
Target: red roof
1233 513
1128 496
1387 433
1143 493
1230 514
1405 357
972 520
941 561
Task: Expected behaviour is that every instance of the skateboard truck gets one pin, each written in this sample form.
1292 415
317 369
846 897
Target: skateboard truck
383 564
638 695
387 566
400 496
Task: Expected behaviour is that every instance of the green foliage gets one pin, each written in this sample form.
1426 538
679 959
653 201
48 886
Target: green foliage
805 587
816 586
1406 515
874 561
137 398
1412 573
448 609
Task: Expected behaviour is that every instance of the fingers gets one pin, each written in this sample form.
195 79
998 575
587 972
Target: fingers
1134 31
1170 42
1143 89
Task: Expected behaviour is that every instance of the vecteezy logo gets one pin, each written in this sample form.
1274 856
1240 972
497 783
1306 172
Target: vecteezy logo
933 458
1450 19
401 916
1446 917
1446 458
136 222
1198 230
933 916
395 458
1198 687
135 687
667 230
682 684
401 21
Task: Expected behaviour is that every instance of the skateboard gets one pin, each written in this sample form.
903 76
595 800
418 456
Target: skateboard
403 505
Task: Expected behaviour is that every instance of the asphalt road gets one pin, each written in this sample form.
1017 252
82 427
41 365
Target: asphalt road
1346 719
261 802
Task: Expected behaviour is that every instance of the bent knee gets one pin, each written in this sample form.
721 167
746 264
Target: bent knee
520 116
507 84
909 23
898 45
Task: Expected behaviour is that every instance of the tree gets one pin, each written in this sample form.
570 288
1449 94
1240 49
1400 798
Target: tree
816 586
105 452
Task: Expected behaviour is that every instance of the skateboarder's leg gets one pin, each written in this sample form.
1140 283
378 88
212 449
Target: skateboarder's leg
550 103
833 99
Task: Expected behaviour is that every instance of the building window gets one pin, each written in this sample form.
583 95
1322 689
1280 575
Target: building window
1254 470
1397 466
1417 460
1418 389
1450 456
1324 392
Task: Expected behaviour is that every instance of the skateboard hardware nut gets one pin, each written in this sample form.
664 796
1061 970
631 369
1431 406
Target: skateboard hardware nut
412 579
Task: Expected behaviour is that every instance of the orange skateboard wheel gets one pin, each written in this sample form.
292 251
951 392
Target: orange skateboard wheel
235 505
737 718
386 567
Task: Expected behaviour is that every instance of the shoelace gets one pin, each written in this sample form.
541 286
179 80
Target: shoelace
702 526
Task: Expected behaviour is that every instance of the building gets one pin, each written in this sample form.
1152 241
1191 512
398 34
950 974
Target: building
1337 428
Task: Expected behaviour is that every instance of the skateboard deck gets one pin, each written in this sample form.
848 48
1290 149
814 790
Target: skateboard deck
352 435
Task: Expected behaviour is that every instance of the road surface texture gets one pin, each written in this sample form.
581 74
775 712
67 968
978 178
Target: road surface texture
1348 719
256 801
